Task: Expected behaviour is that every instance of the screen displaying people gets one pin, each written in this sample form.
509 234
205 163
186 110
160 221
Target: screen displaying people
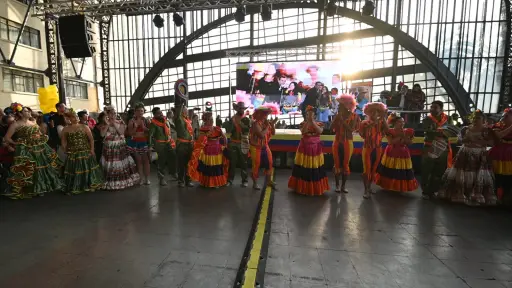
289 84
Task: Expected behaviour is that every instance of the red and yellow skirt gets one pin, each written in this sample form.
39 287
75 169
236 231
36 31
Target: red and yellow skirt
209 164
342 152
308 174
395 170
501 156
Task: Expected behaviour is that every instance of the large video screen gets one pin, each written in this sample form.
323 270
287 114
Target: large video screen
287 84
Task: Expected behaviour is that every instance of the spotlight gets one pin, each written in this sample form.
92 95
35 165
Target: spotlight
158 21
266 12
177 19
368 8
240 14
330 9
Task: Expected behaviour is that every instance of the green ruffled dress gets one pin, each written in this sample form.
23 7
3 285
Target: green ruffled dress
36 167
82 173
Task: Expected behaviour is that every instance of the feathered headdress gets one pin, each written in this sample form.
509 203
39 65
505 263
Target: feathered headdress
348 101
274 108
261 112
16 107
372 107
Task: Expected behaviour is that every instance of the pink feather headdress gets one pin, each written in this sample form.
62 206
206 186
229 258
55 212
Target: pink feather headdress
371 107
274 107
348 100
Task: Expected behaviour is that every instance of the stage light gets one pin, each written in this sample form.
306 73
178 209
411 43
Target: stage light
368 8
240 14
330 9
177 19
266 12
158 21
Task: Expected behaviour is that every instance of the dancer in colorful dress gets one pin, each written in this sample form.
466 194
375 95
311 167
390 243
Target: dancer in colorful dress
260 133
185 144
437 153
138 131
118 166
308 174
82 173
208 165
165 147
395 170
470 180
501 155
239 143
36 168
344 124
372 130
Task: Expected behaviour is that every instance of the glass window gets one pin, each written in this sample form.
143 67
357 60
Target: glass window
75 89
9 30
21 81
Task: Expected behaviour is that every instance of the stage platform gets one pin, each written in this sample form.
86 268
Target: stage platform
154 237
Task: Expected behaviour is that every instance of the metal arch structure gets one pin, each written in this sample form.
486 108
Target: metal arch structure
100 8
506 82
455 90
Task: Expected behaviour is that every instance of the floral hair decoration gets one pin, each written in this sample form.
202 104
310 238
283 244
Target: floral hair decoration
393 117
16 107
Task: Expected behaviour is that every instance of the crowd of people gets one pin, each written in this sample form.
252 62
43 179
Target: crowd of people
73 153
475 176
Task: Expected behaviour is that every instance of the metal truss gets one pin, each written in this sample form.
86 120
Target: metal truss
105 72
99 8
284 52
51 50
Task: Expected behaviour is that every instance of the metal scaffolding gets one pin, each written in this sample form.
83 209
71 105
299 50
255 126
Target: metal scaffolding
99 8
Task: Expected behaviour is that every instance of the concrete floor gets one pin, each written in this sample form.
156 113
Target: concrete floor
165 237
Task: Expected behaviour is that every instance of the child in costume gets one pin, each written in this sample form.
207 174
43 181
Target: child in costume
372 130
395 170
437 152
308 174
208 165
501 156
82 173
470 179
138 130
344 124
260 133
35 169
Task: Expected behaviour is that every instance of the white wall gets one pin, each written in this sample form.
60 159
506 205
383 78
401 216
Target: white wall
33 58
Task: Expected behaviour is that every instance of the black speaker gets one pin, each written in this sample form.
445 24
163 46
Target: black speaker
76 36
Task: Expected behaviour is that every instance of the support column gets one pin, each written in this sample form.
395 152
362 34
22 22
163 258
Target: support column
105 72
395 45
51 72
62 85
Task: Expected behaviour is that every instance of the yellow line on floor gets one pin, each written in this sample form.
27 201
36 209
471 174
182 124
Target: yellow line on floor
254 255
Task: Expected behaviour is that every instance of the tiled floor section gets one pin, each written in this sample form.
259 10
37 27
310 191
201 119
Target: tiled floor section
391 241
145 237
152 237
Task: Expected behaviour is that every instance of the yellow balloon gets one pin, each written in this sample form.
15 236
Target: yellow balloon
48 97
